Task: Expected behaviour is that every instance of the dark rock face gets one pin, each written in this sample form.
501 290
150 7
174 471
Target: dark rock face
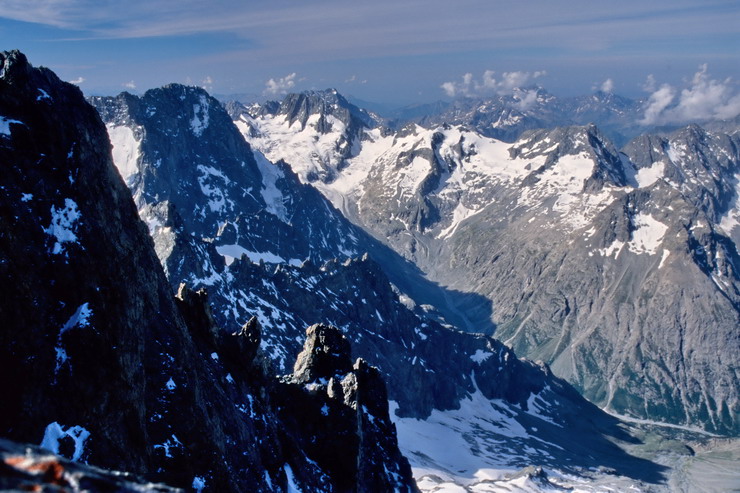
98 361
325 354
352 406
195 171
61 294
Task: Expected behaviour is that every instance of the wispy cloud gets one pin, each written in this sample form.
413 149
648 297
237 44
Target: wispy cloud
129 85
703 99
367 28
354 80
650 83
274 87
489 84
607 86
77 81
384 39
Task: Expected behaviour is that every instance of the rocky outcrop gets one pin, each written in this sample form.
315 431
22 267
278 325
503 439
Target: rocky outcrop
99 362
352 407
326 353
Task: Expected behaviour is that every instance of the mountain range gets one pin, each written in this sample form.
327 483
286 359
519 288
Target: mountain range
580 249
417 246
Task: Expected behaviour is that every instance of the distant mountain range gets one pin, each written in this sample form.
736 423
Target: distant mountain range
507 117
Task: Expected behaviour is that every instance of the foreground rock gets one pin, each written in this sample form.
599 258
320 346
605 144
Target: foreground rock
349 403
32 468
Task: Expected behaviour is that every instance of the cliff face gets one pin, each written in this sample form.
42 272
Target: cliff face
99 362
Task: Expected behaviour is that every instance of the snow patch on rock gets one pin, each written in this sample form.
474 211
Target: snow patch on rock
208 179
126 150
55 432
480 356
647 176
233 252
5 125
273 197
63 227
730 221
648 235
201 119
199 483
292 486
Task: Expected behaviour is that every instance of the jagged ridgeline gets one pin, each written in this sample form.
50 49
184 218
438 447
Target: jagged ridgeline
101 363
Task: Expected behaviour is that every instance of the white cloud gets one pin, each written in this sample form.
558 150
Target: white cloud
129 85
77 81
657 103
449 88
207 83
650 84
607 86
489 84
704 99
527 98
280 86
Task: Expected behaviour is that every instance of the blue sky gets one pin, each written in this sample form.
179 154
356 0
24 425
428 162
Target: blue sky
389 51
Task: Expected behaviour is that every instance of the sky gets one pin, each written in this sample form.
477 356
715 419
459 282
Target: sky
389 51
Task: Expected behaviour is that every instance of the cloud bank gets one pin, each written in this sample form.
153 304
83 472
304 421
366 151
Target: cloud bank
704 99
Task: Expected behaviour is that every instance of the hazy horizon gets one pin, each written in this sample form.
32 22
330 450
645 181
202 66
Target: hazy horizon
672 53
